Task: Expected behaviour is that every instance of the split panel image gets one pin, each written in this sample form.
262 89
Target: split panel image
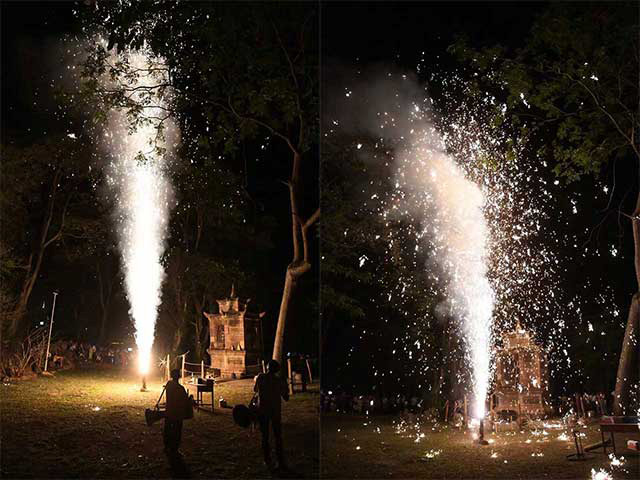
324 240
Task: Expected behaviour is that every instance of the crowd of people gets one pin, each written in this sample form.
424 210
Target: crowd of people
71 353
342 402
584 405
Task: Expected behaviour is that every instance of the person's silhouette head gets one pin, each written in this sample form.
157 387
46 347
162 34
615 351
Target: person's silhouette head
175 374
273 366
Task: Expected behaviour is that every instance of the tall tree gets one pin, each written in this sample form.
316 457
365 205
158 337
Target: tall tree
41 186
575 83
107 276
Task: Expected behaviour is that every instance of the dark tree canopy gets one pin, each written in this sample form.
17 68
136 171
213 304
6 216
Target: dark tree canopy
576 78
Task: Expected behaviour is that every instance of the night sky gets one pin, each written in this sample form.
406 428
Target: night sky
400 31
30 31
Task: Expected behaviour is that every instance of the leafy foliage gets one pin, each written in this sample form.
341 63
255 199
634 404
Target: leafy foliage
575 81
572 90
243 67
44 203
237 78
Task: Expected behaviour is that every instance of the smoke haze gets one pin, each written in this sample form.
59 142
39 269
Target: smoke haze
432 189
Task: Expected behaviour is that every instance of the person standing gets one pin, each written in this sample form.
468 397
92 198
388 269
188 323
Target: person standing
271 389
177 409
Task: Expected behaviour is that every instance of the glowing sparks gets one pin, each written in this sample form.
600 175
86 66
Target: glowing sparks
600 475
432 453
616 461
138 177
518 254
464 234
440 210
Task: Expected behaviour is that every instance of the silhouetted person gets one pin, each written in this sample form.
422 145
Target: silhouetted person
177 402
271 389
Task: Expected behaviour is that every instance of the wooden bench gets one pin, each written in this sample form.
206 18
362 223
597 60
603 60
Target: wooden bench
613 425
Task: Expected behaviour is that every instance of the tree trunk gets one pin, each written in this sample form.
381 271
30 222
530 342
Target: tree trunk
287 297
27 288
106 283
200 328
177 340
25 293
198 342
175 275
628 363
34 270
300 263
103 328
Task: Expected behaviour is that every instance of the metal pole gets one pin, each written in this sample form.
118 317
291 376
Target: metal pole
309 370
53 311
481 440
291 391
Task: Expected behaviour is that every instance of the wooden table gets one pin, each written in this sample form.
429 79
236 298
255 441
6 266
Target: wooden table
613 425
201 388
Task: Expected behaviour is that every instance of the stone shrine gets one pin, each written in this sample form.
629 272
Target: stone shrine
522 382
236 347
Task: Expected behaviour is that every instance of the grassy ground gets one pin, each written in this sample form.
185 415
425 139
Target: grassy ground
90 424
380 447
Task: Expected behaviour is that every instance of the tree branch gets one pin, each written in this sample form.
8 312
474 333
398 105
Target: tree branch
312 219
58 235
261 123
295 82
606 112
295 223
305 227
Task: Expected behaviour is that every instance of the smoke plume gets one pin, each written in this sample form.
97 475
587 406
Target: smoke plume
433 190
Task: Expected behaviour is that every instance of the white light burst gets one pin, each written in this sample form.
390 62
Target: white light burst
137 175
454 223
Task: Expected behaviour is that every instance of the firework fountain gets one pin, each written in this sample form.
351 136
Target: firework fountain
433 189
454 222
471 200
140 148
